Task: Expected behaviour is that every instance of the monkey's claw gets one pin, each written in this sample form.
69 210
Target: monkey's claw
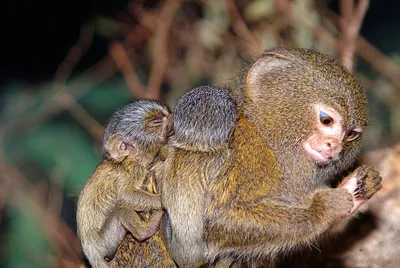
363 183
368 182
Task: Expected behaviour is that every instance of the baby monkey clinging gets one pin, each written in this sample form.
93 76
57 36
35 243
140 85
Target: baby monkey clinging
109 203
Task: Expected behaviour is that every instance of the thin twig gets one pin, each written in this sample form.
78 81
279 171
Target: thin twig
121 58
55 194
319 31
378 61
283 9
24 200
160 53
369 53
241 29
75 53
56 102
350 24
86 120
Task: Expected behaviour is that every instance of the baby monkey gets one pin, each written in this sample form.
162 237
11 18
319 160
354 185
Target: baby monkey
109 203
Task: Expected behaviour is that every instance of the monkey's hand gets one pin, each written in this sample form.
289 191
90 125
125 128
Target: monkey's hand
363 183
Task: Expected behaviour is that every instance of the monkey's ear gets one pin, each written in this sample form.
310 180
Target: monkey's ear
269 61
117 148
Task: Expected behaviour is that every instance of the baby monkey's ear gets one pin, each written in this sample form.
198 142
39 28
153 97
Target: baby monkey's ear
118 149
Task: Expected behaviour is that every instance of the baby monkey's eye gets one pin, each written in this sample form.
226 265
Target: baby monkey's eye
325 119
352 135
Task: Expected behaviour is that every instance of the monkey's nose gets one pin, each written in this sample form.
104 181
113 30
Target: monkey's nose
331 144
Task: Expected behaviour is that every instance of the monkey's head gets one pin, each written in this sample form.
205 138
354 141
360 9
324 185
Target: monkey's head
204 119
307 106
137 129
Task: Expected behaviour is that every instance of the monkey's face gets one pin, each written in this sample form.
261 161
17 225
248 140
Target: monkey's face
330 134
308 107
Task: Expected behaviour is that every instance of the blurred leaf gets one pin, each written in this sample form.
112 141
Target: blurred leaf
259 9
396 58
215 23
106 27
25 245
20 101
59 146
304 36
102 100
268 39
395 121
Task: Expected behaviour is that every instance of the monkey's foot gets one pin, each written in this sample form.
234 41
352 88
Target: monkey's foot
363 184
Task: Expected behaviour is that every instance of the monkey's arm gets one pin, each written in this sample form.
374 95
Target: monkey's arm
274 224
125 215
141 200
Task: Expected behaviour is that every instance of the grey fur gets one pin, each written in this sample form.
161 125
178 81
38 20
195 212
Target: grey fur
128 120
204 118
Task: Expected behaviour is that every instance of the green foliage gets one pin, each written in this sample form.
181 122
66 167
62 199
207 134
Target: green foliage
102 100
25 245
259 9
58 146
106 27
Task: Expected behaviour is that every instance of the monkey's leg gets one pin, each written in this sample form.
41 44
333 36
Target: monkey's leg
268 225
141 200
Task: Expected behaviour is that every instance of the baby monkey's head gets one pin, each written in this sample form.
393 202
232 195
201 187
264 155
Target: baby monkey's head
138 129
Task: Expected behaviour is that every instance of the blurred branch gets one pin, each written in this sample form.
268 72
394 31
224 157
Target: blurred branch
382 64
55 194
241 29
283 8
23 199
319 31
120 56
364 49
75 53
57 102
160 53
378 61
83 117
350 25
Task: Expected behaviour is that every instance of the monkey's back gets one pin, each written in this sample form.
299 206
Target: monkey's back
98 198
184 182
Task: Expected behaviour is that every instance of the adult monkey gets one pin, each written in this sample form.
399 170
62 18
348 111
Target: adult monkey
300 116
299 122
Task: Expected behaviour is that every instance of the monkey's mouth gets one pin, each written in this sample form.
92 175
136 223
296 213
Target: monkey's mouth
316 155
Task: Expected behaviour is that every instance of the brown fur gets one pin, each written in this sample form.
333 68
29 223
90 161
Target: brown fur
270 201
113 200
262 194
113 193
151 252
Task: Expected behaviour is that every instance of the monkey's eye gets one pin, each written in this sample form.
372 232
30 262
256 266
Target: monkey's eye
156 122
352 135
325 119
